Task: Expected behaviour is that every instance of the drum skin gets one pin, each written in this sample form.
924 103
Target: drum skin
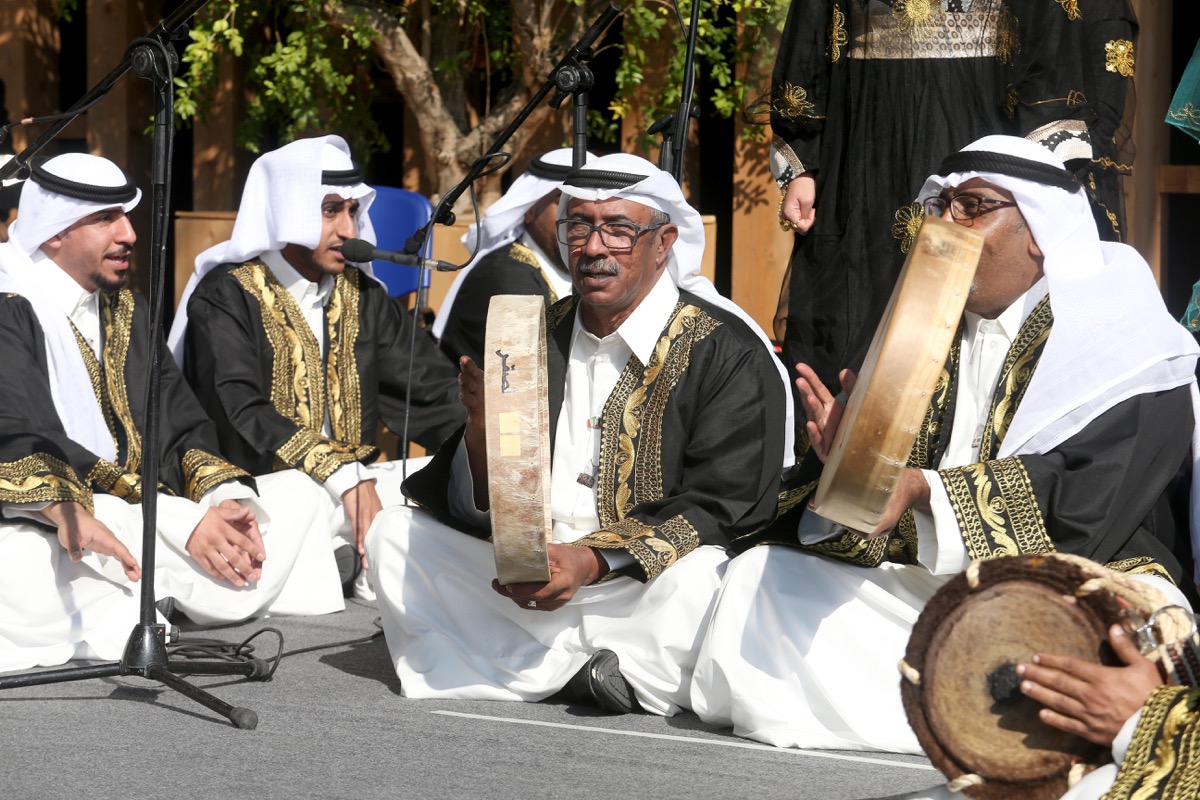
898 376
518 437
960 691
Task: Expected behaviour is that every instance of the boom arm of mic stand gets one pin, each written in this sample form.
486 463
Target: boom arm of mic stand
164 32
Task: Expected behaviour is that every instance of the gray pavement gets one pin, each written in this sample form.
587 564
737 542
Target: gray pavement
333 724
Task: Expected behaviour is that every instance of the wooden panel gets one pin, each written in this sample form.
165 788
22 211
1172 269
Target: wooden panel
195 232
1179 179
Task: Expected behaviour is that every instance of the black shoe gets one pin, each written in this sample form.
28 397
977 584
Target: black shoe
349 564
600 683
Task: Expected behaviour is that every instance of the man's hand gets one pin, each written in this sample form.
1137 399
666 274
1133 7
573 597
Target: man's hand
797 207
227 543
911 492
570 568
362 504
78 530
1091 700
824 410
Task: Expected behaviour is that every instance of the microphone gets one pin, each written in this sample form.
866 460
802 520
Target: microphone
360 252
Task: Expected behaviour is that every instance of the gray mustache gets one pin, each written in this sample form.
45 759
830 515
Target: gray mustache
605 267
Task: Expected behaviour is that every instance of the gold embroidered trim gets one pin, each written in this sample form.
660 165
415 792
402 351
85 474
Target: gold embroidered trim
1019 365
318 457
108 478
1186 113
96 376
521 253
1163 758
854 549
909 219
202 471
1141 565
837 34
1118 57
118 331
41 478
297 392
341 372
1072 9
791 102
788 156
1108 163
790 498
655 548
557 312
996 509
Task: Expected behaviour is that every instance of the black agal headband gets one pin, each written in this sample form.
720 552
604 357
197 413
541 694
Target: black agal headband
1012 166
547 171
89 192
584 178
341 177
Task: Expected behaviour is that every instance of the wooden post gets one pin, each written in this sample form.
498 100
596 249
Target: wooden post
29 47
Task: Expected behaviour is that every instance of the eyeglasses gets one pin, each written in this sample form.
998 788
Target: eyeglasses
613 235
964 206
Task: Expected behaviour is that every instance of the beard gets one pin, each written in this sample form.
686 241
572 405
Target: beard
112 284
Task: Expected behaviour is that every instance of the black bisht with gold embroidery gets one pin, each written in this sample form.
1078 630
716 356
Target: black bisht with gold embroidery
690 443
257 369
1103 493
39 462
872 95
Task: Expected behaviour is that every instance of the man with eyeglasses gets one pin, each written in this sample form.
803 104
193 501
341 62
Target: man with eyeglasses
669 418
1065 412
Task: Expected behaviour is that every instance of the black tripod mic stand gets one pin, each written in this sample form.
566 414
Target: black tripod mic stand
153 58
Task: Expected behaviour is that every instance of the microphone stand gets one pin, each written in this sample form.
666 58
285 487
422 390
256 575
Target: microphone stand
674 127
570 76
154 58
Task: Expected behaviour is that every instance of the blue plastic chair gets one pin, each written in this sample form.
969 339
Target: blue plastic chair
396 215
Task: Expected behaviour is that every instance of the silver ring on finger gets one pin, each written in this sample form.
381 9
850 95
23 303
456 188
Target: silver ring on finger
531 604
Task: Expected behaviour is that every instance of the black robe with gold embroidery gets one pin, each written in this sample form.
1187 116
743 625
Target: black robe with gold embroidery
39 462
507 270
1103 493
690 443
257 369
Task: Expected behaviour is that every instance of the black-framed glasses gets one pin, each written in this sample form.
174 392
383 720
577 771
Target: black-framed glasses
613 235
964 206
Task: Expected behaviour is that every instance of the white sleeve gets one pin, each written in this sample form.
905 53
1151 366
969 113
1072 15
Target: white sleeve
940 546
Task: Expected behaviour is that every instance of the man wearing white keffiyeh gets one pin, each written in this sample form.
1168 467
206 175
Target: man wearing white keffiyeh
1065 414
667 411
72 405
514 252
297 355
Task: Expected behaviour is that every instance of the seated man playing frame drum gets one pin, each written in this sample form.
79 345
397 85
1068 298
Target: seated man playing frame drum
1065 410
670 418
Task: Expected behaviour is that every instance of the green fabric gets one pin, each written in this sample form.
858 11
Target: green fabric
1184 112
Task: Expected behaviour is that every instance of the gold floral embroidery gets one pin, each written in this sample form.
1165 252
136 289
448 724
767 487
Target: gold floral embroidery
109 478
837 34
1007 43
1186 113
296 392
909 220
1015 375
655 548
341 371
1072 9
1162 759
792 103
318 457
854 549
1118 57
557 312
918 18
118 327
41 478
1141 565
202 471
996 509
1075 97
